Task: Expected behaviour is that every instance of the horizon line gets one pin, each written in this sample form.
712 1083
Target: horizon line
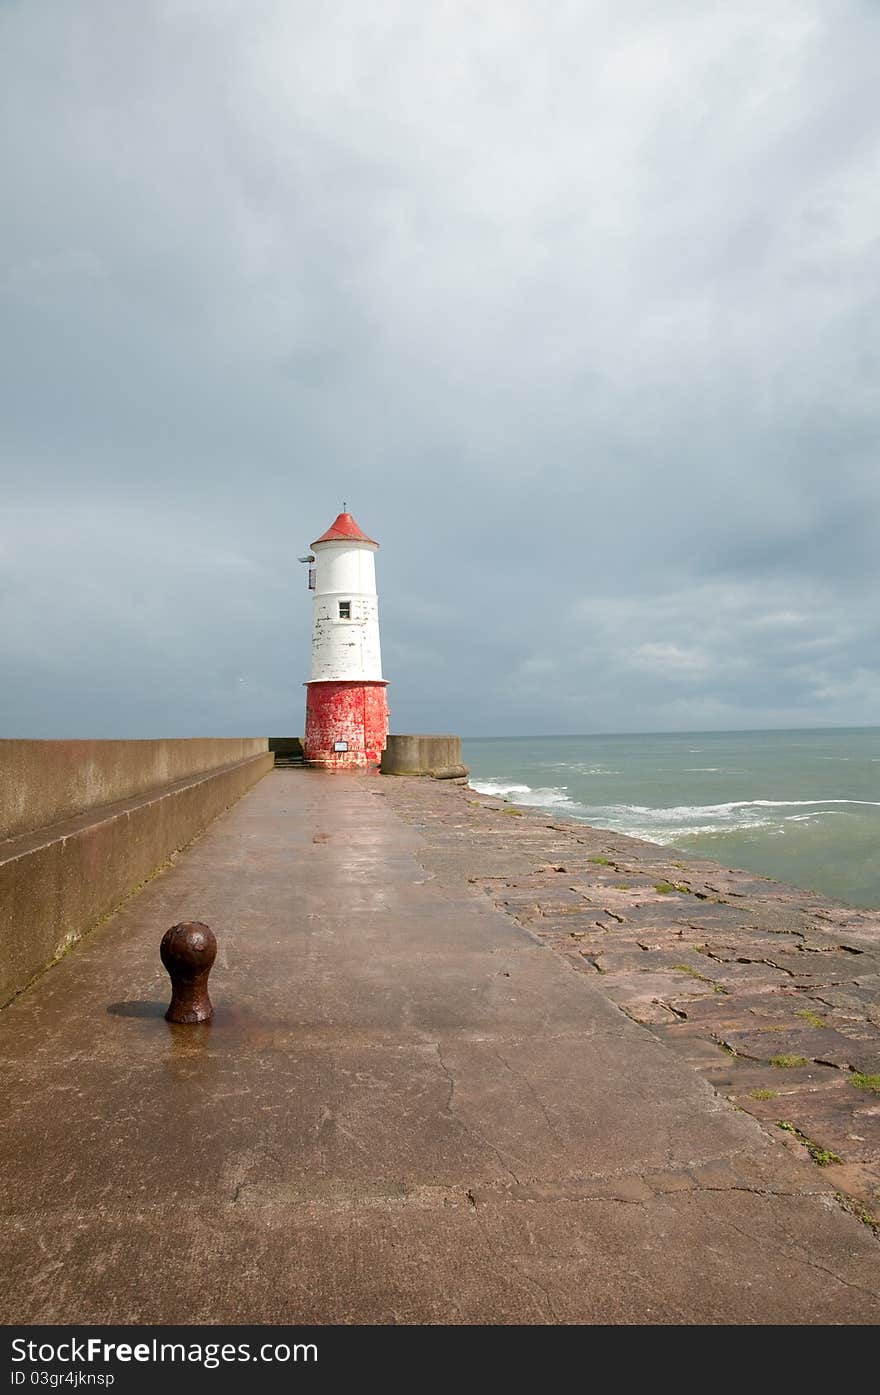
678 731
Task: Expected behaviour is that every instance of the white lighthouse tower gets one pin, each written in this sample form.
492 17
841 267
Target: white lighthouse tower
346 705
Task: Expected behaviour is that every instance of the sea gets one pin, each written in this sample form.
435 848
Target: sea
801 806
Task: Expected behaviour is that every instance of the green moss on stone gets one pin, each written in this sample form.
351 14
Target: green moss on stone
822 1157
865 1082
812 1017
693 973
855 1208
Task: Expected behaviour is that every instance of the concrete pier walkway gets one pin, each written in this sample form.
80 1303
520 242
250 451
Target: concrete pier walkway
407 1109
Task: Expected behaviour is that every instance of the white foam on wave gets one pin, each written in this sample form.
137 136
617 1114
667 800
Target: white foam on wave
670 825
736 816
580 768
498 787
549 797
663 834
690 811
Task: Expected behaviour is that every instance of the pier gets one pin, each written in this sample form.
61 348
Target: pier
423 1097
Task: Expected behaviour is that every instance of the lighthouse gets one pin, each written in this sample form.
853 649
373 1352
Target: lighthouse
346 704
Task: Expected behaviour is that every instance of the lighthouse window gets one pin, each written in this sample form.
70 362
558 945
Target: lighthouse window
345 610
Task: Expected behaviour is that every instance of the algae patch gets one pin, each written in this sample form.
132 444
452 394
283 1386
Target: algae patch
856 1208
822 1157
695 973
812 1017
865 1082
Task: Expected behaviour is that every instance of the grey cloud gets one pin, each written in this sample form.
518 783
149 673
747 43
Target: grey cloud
576 306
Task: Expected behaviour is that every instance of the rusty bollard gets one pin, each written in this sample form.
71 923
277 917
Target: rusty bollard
188 951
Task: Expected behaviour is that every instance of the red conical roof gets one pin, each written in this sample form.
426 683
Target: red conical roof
344 529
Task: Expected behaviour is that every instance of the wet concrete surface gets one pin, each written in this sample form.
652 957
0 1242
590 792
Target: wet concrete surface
408 1108
770 991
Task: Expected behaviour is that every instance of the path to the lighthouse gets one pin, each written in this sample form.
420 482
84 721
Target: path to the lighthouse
406 1110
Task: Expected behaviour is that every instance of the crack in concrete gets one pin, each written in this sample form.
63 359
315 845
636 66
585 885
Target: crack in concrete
535 1096
532 1282
821 1268
473 1197
768 1060
471 1132
743 959
797 1247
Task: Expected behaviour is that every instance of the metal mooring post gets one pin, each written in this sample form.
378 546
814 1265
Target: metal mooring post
188 951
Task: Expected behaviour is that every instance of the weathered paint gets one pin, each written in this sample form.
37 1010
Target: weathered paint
356 713
346 648
346 694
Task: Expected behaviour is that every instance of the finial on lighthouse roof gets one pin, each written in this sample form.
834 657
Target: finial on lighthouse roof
344 529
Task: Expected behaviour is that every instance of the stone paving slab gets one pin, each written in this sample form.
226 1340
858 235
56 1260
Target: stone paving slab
782 981
409 1107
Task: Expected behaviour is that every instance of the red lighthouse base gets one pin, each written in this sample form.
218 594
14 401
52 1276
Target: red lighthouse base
346 724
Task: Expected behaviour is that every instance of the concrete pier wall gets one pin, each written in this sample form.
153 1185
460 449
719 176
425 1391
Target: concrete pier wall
42 782
439 756
84 823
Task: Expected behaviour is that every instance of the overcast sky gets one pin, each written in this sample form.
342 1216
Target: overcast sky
576 304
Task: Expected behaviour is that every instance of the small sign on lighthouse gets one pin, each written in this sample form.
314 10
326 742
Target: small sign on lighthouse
346 703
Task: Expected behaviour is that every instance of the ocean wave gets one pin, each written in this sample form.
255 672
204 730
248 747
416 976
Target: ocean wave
498 787
580 768
669 825
715 820
685 812
549 797
663 834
